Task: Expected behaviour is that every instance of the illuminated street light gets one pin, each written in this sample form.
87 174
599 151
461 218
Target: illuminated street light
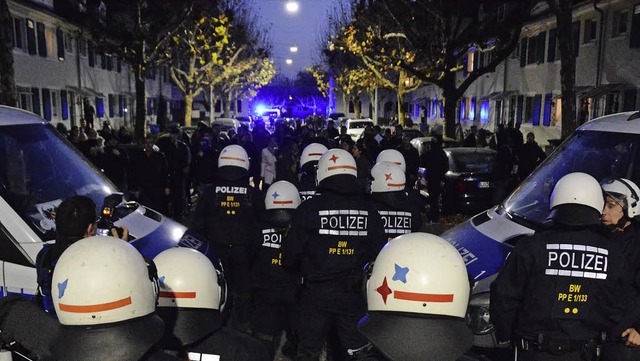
293 49
292 6
289 61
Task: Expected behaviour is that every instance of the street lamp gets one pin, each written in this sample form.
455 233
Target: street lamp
292 6
289 61
293 49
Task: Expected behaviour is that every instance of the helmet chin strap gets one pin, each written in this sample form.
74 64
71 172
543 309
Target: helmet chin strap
619 226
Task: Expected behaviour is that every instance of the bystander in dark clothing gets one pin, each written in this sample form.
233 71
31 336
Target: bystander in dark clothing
331 130
178 159
502 173
396 139
150 178
363 163
529 156
287 161
514 137
436 163
470 139
412 160
115 163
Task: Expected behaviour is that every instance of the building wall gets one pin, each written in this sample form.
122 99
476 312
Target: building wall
56 84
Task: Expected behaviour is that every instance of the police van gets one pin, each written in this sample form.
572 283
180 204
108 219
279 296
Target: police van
38 170
604 147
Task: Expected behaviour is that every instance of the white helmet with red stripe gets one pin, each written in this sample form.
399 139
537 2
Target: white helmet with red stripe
187 279
100 280
235 156
282 195
393 156
416 269
387 177
311 153
334 162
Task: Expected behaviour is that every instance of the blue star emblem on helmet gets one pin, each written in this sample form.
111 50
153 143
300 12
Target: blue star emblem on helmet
62 287
161 282
275 195
401 274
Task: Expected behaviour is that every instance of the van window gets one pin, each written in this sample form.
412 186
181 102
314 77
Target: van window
601 154
9 251
39 169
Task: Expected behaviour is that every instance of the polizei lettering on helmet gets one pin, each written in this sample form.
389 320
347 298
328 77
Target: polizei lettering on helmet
577 261
344 222
231 190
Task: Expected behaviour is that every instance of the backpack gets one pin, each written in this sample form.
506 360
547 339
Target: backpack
45 263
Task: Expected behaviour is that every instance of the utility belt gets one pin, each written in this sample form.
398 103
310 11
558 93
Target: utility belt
353 283
589 349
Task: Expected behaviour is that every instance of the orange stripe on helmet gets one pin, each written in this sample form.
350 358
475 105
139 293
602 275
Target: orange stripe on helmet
282 202
315 154
232 158
168 294
342 167
396 184
422 297
96 308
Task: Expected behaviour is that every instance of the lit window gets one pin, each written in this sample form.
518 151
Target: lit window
590 31
620 22
484 111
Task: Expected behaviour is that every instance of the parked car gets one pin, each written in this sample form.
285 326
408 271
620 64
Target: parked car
412 133
355 127
39 168
423 144
227 123
246 121
603 147
467 184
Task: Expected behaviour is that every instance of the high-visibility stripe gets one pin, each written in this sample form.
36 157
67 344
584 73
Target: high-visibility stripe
422 297
315 154
396 184
96 308
282 202
169 294
232 158
343 167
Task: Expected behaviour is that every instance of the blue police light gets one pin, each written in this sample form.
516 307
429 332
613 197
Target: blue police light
260 109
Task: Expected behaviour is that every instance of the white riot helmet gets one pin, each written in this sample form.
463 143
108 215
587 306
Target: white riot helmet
422 274
387 177
393 156
625 190
105 294
235 156
282 195
192 293
100 280
577 200
187 279
311 153
334 162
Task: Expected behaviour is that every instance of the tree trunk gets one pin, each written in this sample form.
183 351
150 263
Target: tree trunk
140 125
188 108
212 106
450 116
7 79
227 107
400 98
567 67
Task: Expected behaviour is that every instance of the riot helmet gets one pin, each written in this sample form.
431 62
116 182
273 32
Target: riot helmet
393 156
576 200
387 177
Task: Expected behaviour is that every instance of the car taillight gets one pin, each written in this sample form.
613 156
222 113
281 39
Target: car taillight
460 186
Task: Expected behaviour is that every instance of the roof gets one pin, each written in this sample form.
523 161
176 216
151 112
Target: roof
13 116
615 123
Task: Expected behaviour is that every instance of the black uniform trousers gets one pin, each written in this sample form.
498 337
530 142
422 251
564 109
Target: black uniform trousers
327 306
274 311
235 260
618 351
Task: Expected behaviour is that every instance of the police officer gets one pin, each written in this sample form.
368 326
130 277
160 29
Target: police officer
192 292
620 225
558 288
307 175
388 196
105 298
225 215
418 286
394 156
275 306
332 236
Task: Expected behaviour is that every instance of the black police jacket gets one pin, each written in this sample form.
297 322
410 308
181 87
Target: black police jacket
266 270
335 233
564 283
399 214
226 213
307 181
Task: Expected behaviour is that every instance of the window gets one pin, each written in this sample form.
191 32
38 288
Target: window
590 31
520 109
434 108
535 112
91 54
512 109
499 112
634 35
629 102
25 99
471 61
239 106
112 105
118 65
103 61
613 102
68 42
463 105
60 41
121 105
472 109
523 51
109 62
528 109
541 40
484 111
42 40
546 118
55 104
553 44
575 32
64 104
18 33
619 22
31 36
82 47
35 100
99 107
46 103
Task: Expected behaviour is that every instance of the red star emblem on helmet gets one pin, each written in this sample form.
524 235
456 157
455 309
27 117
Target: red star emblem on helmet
334 158
384 290
387 176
